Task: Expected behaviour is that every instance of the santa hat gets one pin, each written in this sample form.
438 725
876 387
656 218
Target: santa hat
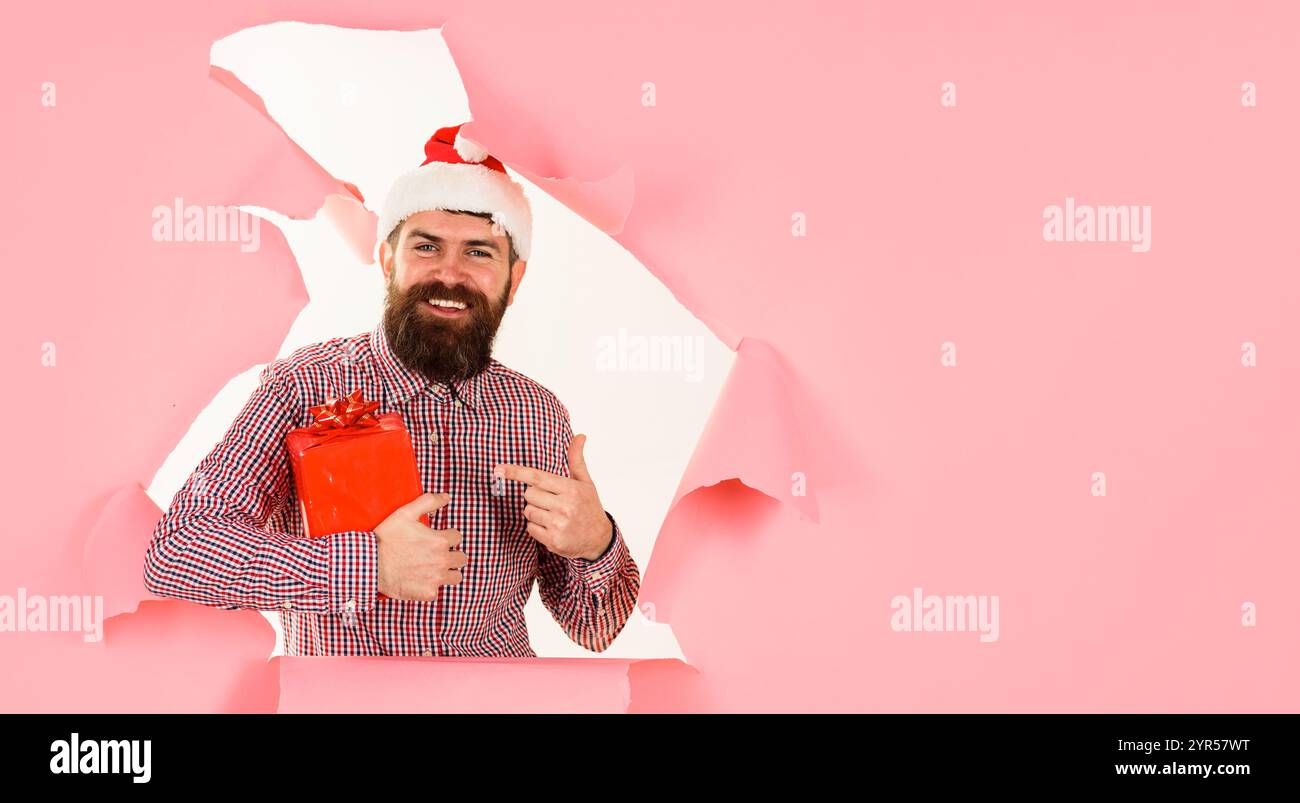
458 173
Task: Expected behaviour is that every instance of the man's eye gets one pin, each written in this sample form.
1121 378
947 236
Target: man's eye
479 251
424 245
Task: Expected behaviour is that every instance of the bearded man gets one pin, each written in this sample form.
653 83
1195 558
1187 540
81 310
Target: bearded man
506 484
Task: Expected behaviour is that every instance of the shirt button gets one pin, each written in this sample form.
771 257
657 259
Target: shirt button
433 436
287 605
427 652
351 605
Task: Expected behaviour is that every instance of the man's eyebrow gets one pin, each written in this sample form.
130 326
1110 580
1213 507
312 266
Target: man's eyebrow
435 238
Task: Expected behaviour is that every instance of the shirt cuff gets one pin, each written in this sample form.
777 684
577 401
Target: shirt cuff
596 574
353 571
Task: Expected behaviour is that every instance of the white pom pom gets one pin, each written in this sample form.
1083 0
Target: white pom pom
470 150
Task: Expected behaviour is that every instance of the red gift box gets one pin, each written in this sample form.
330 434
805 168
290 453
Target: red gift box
352 468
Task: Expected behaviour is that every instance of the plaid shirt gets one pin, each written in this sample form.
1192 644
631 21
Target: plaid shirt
233 536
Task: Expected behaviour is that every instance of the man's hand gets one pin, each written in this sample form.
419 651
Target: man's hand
564 513
415 560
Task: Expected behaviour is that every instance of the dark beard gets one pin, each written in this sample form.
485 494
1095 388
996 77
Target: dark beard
442 350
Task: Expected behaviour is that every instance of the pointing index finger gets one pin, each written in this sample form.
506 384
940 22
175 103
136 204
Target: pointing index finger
531 476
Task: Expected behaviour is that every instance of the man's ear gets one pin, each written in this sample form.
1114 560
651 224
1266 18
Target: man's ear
516 276
385 259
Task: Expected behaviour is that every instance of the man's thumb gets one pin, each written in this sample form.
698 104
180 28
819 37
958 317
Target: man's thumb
578 463
425 503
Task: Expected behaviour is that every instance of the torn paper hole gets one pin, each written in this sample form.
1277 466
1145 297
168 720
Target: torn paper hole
642 419
643 422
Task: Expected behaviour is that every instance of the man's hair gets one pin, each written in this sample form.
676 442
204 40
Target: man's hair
396 233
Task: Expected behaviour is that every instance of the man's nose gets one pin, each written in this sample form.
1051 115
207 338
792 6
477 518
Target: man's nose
448 269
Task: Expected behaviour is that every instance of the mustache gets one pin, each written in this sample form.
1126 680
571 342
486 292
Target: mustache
418 293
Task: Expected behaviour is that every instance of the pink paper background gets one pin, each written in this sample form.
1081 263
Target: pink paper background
924 226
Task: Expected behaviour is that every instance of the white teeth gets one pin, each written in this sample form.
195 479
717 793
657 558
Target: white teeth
442 302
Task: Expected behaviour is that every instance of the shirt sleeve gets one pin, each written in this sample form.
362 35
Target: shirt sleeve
212 546
591 599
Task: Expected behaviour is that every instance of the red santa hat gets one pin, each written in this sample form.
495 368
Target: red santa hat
458 173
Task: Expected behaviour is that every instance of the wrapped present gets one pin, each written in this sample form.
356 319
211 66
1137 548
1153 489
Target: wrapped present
351 467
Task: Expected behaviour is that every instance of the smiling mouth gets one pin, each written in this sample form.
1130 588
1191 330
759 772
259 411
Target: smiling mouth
446 308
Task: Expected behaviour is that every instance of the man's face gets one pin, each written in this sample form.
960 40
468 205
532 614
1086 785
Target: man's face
449 282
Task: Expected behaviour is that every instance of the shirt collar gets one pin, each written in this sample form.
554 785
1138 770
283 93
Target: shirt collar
405 383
